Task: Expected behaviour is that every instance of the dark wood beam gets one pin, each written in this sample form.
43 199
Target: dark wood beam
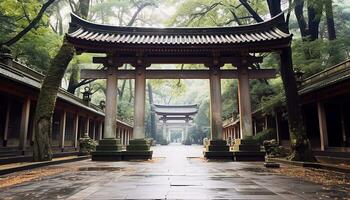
177 74
206 60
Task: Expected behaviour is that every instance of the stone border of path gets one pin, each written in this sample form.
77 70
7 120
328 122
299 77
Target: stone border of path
33 165
311 165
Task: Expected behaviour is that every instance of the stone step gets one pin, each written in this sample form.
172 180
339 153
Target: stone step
138 142
218 148
218 142
109 148
109 142
246 147
138 147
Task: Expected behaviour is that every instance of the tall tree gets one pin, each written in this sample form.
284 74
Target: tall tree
48 94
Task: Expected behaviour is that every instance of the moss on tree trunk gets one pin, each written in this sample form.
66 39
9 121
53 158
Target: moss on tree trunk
47 101
300 145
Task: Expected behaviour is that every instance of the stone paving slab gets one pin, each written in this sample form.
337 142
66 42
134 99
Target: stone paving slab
174 176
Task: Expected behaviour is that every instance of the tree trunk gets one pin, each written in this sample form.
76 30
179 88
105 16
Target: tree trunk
274 7
152 114
47 101
301 149
314 17
73 80
299 14
330 20
300 145
251 10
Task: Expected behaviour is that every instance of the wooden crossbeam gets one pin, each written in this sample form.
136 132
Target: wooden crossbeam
179 60
177 74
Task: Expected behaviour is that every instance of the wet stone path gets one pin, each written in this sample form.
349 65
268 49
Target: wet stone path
176 172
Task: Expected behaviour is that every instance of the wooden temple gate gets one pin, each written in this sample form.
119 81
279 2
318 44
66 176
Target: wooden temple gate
211 47
175 116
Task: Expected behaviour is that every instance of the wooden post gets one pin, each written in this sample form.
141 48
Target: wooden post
215 103
111 104
140 95
277 128
164 129
322 123
100 131
186 130
24 124
94 130
7 121
63 129
76 130
246 128
343 123
87 126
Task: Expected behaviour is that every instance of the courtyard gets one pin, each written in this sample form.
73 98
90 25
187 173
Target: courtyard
176 172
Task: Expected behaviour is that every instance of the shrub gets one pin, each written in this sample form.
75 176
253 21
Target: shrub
267 134
87 145
274 150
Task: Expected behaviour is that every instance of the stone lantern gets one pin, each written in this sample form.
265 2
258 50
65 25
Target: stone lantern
87 94
5 55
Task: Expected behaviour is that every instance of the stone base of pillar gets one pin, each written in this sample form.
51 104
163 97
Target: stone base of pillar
138 149
217 150
247 150
108 150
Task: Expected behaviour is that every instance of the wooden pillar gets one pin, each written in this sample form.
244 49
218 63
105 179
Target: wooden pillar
322 123
127 137
94 130
76 130
255 127
63 128
111 104
245 113
215 103
87 126
342 120
277 127
7 121
24 124
100 133
186 129
164 129
140 95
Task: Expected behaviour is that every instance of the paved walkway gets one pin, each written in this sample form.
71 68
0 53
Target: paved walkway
176 172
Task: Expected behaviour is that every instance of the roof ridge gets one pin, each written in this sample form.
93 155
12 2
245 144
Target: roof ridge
78 22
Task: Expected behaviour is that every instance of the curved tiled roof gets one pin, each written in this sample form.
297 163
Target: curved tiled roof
178 110
84 32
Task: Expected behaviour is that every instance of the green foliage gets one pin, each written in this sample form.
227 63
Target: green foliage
274 150
266 134
315 56
197 134
198 13
36 48
86 145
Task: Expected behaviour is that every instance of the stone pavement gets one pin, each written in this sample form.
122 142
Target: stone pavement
176 172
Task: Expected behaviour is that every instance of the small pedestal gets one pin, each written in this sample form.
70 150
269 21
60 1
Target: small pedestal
138 149
247 150
108 150
217 150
